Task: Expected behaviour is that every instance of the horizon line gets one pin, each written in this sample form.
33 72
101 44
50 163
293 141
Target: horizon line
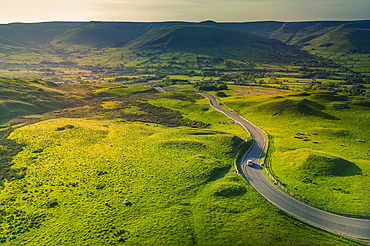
164 21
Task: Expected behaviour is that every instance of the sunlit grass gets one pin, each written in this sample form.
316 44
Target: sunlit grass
200 110
79 173
93 162
180 182
321 123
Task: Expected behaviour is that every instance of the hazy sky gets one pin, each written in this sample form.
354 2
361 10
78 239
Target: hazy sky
186 10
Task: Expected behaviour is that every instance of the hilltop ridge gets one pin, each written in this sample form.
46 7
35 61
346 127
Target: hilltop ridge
209 40
106 34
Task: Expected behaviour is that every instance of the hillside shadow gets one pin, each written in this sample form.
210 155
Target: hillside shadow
329 97
218 173
326 165
345 168
296 107
12 148
313 104
322 115
309 107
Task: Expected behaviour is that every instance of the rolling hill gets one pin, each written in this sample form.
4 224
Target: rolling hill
107 165
210 40
349 35
90 34
336 36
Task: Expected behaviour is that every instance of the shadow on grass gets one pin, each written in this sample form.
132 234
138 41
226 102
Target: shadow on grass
321 165
295 107
129 204
220 172
11 149
351 169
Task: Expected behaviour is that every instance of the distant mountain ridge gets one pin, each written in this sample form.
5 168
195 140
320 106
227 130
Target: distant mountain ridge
343 36
207 40
353 35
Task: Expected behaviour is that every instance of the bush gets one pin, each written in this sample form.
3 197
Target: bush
221 94
210 85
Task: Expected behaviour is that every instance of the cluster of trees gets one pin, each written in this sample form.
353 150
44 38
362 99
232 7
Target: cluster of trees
134 80
315 61
210 85
169 81
354 90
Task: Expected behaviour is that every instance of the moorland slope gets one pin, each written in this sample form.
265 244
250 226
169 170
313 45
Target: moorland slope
72 165
106 34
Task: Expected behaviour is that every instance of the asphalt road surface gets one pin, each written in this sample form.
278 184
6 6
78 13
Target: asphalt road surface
351 227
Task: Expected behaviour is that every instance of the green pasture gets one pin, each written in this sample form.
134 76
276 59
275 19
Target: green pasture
200 110
356 62
240 91
305 126
178 182
177 87
190 78
114 90
75 166
73 170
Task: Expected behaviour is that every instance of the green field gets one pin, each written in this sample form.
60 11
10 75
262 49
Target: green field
75 167
103 161
319 144
82 129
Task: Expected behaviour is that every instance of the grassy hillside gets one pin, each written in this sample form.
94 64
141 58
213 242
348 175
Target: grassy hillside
209 40
175 185
302 33
105 34
100 52
100 34
71 153
73 168
346 42
318 145
117 34
24 96
109 162
89 34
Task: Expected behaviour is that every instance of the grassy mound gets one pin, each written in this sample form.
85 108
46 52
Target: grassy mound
294 106
73 176
324 164
299 141
304 163
228 189
226 209
184 144
283 105
323 178
83 170
328 96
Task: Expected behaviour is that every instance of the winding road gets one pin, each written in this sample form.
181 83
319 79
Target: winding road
350 227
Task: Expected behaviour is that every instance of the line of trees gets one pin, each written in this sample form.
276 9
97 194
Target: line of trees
210 85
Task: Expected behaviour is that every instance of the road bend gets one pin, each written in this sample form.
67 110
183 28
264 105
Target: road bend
350 227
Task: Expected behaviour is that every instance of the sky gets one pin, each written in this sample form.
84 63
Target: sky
182 10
